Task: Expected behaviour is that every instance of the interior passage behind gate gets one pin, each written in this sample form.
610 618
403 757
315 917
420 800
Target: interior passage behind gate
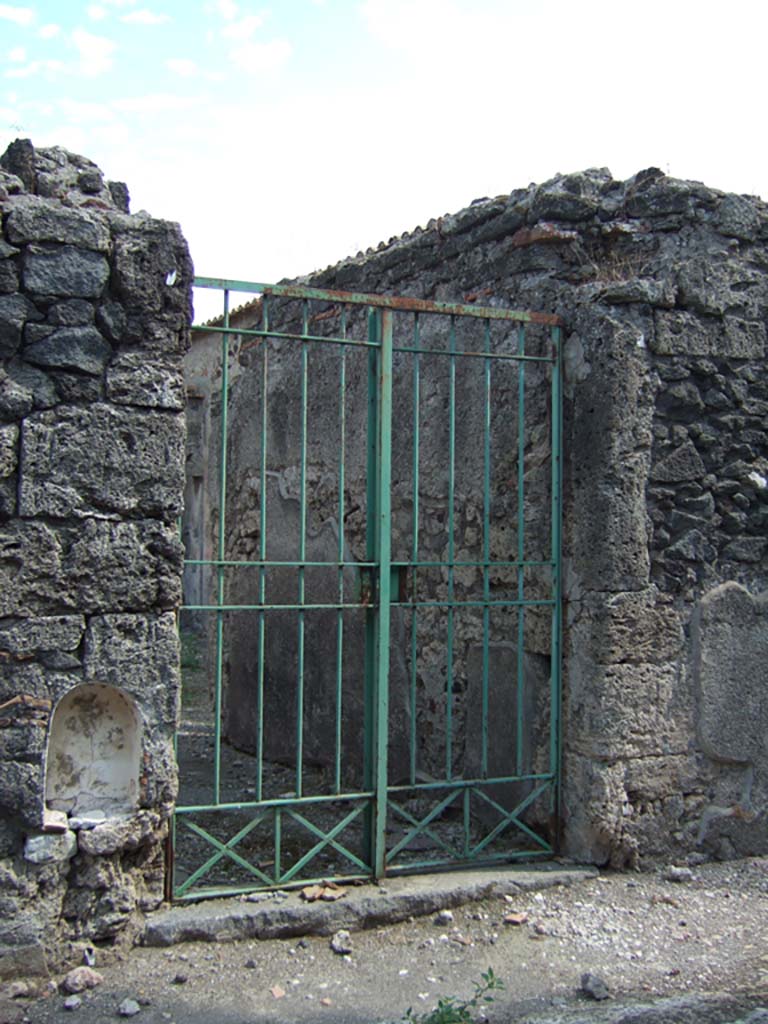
375 586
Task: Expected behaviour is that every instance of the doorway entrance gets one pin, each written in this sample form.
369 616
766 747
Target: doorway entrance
373 609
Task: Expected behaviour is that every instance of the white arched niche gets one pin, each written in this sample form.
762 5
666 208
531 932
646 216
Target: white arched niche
94 752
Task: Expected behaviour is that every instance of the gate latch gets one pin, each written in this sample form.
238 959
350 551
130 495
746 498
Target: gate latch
398 584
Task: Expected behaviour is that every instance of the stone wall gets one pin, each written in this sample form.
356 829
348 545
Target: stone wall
663 290
94 315
662 287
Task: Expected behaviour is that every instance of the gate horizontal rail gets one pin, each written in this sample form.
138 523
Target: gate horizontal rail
401 303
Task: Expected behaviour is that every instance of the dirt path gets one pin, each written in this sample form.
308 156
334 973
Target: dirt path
647 937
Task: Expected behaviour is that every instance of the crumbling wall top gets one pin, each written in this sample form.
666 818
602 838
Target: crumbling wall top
55 173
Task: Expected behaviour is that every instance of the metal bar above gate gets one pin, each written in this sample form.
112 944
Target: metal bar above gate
371 617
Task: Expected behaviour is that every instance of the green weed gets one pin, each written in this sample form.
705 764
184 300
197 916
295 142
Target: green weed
455 1011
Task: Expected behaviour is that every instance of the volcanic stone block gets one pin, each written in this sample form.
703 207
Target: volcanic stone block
21 792
19 159
626 627
101 459
737 217
9 276
139 653
97 566
64 270
111 318
32 219
15 311
133 380
683 333
152 272
617 511
129 834
71 348
9 436
713 286
44 849
730 644
71 312
683 463
23 388
744 339
627 710
47 633
745 549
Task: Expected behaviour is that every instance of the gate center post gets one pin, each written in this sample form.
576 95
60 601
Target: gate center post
383 557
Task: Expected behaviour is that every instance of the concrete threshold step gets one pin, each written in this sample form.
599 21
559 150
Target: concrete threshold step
286 914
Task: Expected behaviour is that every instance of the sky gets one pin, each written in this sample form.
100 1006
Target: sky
285 135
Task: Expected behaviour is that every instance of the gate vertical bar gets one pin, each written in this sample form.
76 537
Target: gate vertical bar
557 512
262 552
486 543
221 554
520 547
340 553
451 548
367 577
302 556
383 610
412 739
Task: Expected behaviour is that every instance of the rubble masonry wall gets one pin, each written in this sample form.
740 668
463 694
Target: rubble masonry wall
662 287
94 315
663 290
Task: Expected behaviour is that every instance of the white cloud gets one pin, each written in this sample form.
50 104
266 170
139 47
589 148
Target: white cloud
36 67
17 55
182 66
22 16
49 31
95 53
144 17
257 57
155 103
102 10
78 112
227 9
11 119
435 29
244 28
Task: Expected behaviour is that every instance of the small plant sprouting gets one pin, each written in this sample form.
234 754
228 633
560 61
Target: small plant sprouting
455 1011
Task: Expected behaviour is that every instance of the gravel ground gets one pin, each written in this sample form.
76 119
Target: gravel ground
702 940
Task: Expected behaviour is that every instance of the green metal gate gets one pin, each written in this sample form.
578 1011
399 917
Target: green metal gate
376 594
